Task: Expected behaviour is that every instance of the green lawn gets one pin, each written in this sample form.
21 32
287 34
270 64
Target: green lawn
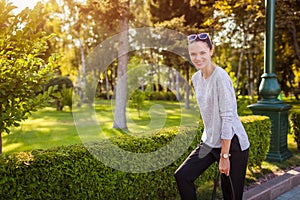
44 129
48 128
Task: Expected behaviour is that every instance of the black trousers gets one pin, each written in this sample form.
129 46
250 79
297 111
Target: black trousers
201 158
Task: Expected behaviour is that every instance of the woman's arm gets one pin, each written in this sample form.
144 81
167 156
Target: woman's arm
224 164
226 102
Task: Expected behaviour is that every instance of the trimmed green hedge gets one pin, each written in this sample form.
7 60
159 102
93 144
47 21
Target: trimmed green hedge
73 173
294 120
259 133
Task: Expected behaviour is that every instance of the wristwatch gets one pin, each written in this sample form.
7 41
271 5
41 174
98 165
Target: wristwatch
225 155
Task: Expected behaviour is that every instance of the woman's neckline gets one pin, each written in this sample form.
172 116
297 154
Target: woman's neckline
207 78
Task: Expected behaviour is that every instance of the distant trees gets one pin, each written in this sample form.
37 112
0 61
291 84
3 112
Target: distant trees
287 51
236 26
238 29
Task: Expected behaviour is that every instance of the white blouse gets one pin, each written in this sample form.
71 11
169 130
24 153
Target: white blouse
218 107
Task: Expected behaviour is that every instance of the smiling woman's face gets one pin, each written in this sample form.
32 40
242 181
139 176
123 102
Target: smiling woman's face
200 54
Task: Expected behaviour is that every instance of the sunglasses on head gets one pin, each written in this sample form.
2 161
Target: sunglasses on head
200 36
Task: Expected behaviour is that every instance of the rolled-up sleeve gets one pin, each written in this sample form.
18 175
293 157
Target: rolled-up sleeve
226 100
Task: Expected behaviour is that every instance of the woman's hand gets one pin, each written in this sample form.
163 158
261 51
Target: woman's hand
224 166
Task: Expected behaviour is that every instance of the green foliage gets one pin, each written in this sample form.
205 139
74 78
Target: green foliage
23 72
259 133
137 100
62 95
242 105
180 15
89 91
73 173
294 120
60 81
165 96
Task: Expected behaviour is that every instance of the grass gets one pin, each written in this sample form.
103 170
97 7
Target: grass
48 128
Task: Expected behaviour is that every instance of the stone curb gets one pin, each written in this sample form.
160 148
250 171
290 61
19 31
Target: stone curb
275 187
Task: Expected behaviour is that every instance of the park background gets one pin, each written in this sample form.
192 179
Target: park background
45 54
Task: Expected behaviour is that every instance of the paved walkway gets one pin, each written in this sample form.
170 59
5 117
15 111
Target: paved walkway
293 194
284 187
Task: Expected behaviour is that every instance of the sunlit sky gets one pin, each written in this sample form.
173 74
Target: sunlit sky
21 4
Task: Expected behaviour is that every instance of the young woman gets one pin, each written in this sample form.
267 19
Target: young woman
224 138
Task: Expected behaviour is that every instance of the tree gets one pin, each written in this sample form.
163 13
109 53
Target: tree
22 70
186 16
108 14
77 27
287 53
137 100
243 29
121 90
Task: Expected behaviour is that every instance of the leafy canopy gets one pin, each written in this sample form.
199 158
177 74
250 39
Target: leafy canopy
23 72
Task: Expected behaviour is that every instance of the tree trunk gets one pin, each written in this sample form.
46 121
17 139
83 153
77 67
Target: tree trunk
251 79
258 78
294 37
187 88
177 85
247 73
239 68
121 87
107 85
83 71
0 143
245 31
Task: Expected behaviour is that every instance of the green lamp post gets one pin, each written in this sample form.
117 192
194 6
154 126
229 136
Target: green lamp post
269 90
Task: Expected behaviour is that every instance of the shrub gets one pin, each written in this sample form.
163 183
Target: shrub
137 99
259 133
73 173
63 93
165 96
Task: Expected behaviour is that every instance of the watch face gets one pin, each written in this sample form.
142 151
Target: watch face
225 155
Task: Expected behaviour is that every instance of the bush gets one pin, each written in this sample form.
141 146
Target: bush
63 93
73 173
259 133
165 96
295 127
137 98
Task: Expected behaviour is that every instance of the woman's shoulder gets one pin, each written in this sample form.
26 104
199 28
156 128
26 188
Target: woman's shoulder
196 75
222 73
221 70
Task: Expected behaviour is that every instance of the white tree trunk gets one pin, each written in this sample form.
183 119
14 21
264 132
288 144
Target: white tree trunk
83 71
177 86
245 37
107 85
121 87
240 66
251 78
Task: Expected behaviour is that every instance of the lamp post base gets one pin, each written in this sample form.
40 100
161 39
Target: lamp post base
278 114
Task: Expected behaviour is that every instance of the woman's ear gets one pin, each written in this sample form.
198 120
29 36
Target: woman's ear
211 52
